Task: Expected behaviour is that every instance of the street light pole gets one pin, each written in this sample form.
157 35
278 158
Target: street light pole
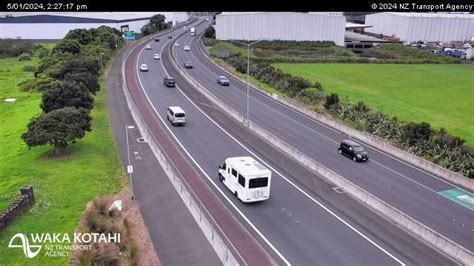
129 165
248 81
248 76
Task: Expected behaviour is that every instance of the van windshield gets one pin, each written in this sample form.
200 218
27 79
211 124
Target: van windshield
179 115
258 182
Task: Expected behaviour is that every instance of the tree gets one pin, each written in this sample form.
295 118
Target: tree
70 94
67 46
147 29
210 32
58 128
158 21
91 82
82 36
77 65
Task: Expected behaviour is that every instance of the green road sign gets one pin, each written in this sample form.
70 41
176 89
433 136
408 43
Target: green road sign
129 35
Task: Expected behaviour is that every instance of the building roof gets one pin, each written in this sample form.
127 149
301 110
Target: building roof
77 17
350 25
432 15
262 13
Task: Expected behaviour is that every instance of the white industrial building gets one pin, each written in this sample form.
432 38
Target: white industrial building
291 26
55 25
429 27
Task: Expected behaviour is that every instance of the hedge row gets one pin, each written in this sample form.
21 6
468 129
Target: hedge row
68 78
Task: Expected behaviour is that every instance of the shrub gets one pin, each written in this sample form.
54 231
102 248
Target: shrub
29 68
414 133
67 46
40 84
15 47
210 32
24 57
332 101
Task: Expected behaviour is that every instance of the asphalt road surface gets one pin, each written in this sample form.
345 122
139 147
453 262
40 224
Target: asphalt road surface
305 220
425 197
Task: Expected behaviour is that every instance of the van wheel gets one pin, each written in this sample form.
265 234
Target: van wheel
221 178
236 194
340 151
354 159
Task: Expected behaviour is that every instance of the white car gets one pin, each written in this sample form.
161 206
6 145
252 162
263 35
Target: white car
186 48
144 67
176 44
148 47
156 57
184 27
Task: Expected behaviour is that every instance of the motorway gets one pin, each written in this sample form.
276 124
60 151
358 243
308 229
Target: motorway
301 223
411 190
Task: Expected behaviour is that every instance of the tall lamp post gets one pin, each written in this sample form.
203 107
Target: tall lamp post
248 72
129 166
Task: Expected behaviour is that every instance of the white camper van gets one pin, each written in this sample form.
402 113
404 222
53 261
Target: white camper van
246 178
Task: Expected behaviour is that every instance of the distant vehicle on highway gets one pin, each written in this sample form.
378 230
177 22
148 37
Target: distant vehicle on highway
188 65
176 115
187 48
157 39
193 31
184 27
148 47
156 57
176 44
223 81
246 178
353 150
170 37
144 67
169 82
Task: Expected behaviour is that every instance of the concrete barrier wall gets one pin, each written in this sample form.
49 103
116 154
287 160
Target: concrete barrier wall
402 155
391 213
222 246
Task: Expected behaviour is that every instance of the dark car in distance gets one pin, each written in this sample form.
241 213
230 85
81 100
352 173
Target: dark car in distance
188 65
169 81
170 37
157 39
353 150
223 81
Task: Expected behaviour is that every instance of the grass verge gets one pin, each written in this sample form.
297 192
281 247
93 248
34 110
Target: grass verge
63 185
442 95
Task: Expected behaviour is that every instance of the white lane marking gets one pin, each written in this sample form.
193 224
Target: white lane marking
200 168
337 131
291 183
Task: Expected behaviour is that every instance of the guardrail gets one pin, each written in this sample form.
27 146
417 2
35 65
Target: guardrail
216 237
402 155
401 219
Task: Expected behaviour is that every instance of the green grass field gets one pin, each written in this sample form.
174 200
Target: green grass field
442 95
62 186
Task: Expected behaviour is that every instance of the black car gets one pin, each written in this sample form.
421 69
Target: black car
169 81
188 65
157 39
223 81
170 37
353 150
